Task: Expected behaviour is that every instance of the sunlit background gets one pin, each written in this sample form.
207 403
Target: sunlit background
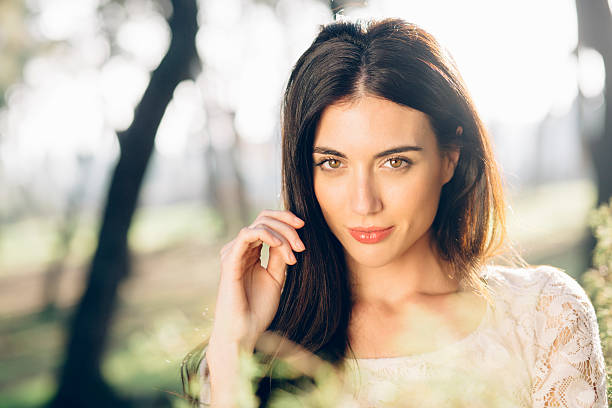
72 73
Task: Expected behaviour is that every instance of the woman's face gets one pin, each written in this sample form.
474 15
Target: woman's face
358 182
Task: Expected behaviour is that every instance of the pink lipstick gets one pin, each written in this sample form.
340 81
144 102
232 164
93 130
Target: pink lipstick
370 235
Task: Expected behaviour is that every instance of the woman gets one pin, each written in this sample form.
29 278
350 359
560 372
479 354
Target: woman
380 263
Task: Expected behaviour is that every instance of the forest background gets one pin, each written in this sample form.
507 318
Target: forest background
138 136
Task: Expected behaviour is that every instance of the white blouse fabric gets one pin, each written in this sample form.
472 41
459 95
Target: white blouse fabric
537 346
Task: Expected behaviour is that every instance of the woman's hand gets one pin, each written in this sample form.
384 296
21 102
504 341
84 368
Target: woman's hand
249 294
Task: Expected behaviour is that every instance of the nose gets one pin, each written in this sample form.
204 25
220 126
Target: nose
365 197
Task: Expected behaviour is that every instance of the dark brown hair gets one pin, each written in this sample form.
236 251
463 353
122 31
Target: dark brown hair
400 62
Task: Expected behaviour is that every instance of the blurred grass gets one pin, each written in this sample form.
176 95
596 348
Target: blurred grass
160 313
160 227
173 284
146 347
31 392
548 224
29 243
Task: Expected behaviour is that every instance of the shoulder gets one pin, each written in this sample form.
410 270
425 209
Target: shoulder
547 296
563 338
563 306
547 286
536 288
522 282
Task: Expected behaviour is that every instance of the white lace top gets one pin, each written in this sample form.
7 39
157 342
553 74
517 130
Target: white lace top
537 346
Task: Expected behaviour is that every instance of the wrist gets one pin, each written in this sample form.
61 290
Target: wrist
228 344
226 376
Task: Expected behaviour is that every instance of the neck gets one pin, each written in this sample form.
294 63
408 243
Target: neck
416 274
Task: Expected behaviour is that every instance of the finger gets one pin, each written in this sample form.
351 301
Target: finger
246 239
283 248
226 248
282 215
286 230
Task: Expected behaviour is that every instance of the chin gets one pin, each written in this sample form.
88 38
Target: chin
372 257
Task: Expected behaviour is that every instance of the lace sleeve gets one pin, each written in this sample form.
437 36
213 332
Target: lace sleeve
204 379
569 368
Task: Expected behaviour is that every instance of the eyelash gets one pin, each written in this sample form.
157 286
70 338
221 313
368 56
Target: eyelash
407 161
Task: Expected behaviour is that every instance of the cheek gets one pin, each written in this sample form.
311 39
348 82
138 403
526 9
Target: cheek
332 198
327 196
416 193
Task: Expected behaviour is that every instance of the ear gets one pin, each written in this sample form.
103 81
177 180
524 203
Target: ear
449 163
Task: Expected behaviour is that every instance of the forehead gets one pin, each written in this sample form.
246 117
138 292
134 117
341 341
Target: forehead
371 122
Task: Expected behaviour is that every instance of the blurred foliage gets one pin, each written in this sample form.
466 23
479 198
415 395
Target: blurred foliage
166 310
308 381
329 390
597 282
163 307
153 229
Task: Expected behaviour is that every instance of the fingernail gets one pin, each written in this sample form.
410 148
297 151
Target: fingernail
299 245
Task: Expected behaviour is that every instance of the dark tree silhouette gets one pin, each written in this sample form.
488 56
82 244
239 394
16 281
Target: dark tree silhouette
338 6
80 380
595 31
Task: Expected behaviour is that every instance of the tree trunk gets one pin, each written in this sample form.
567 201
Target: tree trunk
339 6
595 31
80 380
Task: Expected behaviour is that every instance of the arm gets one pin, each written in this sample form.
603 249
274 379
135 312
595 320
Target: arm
218 375
569 368
247 300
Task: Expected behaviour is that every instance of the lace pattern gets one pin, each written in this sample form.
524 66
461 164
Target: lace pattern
569 369
539 347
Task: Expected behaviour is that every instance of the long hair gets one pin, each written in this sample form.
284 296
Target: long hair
402 63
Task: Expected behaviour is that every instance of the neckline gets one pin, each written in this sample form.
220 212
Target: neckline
443 349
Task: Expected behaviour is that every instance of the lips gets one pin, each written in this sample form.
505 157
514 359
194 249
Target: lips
369 229
370 235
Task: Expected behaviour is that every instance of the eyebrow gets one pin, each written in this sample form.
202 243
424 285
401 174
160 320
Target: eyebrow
398 149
